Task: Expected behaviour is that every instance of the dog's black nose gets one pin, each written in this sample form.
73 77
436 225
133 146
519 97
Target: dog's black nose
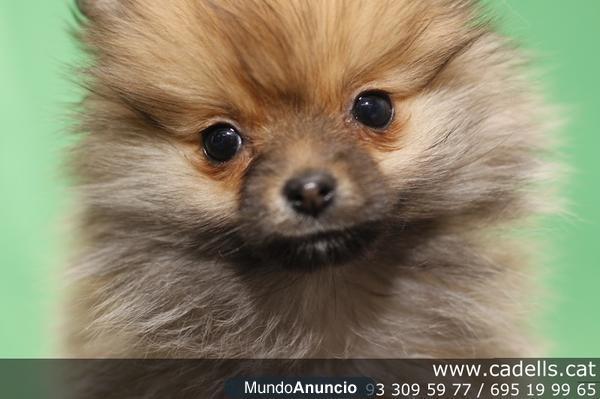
310 193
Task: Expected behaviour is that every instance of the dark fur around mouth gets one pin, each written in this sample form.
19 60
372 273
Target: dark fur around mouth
311 252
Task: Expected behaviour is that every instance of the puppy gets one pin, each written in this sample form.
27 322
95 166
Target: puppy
303 179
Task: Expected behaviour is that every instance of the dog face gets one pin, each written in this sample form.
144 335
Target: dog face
230 144
297 133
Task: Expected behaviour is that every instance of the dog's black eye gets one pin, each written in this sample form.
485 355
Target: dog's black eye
221 142
373 109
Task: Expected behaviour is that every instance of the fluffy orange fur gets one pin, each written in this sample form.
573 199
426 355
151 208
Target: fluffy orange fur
167 266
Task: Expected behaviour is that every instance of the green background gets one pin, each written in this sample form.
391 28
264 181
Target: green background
34 96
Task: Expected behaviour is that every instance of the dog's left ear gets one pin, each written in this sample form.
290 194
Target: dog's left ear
94 8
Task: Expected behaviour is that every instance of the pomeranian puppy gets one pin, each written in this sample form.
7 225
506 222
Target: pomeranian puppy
303 179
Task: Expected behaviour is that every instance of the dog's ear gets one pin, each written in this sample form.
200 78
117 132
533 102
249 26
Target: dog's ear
94 8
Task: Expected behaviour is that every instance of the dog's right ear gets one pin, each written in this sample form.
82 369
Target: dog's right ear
94 8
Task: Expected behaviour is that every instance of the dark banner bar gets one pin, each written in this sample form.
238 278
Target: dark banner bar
300 379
